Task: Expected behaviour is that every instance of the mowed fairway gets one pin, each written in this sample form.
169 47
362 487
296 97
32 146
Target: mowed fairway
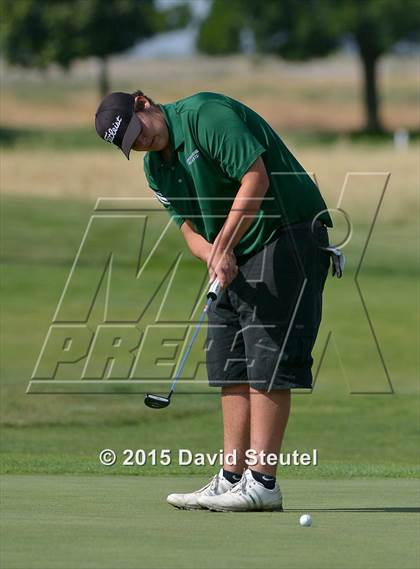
362 495
61 522
62 509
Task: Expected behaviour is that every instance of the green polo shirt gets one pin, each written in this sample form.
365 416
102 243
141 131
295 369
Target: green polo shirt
215 140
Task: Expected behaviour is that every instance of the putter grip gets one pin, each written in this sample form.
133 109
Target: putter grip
214 290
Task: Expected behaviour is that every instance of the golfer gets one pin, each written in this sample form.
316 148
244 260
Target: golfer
247 209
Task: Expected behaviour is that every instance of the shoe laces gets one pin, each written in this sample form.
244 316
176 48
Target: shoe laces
240 487
211 486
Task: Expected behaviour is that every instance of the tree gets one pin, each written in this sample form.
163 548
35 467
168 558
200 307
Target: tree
303 29
220 32
36 33
109 27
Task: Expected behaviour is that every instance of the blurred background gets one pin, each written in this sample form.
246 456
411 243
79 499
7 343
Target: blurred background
339 81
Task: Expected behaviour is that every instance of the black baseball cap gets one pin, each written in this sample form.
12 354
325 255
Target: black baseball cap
116 121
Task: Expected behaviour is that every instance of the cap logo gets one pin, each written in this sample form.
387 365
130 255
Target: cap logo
113 129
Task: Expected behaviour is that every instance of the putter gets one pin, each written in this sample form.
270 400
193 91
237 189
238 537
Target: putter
160 401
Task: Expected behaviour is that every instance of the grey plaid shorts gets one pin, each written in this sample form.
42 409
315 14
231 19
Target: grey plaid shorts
263 326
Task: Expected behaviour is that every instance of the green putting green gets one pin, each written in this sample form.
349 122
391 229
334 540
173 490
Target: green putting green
62 510
63 522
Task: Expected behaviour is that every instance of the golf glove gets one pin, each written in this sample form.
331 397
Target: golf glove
337 261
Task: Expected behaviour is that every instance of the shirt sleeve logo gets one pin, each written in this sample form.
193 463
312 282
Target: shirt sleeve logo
162 198
193 157
113 129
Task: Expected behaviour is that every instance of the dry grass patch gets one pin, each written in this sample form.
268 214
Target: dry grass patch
321 94
107 174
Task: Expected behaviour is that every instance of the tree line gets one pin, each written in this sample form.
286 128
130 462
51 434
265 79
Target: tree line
36 33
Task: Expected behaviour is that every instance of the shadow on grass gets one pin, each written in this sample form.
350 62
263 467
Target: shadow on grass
326 138
393 510
86 137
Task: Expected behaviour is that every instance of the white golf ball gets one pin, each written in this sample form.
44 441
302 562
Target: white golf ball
305 520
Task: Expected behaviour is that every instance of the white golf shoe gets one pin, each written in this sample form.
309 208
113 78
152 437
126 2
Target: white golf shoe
246 495
218 485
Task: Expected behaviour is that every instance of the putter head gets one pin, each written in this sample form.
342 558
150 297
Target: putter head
157 401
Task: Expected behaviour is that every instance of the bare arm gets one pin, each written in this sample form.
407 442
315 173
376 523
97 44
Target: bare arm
198 246
219 256
254 186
